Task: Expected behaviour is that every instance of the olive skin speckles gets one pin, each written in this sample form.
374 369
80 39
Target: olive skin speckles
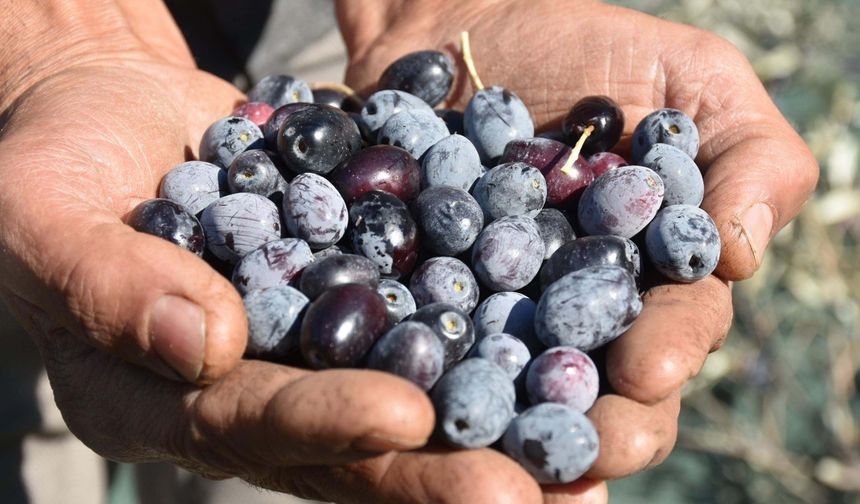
587 308
239 223
505 351
275 263
383 231
683 243
314 211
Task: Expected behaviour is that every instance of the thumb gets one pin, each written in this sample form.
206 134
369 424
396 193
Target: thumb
139 297
754 188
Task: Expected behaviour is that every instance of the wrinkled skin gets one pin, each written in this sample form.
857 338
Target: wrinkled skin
60 126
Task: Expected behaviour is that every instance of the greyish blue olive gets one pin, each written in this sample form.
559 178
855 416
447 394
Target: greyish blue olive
666 126
508 312
450 218
553 442
239 223
253 172
415 130
474 403
445 280
398 300
274 264
681 176
280 90
505 351
508 253
315 211
683 243
587 308
381 105
452 161
274 321
494 117
194 185
621 202
511 189
227 138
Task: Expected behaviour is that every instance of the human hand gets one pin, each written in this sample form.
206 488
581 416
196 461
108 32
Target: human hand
757 170
99 101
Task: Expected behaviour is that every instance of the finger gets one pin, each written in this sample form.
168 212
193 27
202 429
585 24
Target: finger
633 436
677 329
258 418
135 295
479 476
582 491
68 252
758 171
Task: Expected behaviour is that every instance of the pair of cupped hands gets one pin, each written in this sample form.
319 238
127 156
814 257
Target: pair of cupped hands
142 341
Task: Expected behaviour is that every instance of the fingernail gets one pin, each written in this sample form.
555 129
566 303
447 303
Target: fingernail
379 443
177 332
757 222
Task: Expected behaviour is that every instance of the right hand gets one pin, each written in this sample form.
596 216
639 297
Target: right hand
86 136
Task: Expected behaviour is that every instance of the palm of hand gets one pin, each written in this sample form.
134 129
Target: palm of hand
95 142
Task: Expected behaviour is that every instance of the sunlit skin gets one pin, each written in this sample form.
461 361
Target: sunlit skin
100 98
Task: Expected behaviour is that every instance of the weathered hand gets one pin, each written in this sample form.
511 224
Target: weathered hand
758 172
109 101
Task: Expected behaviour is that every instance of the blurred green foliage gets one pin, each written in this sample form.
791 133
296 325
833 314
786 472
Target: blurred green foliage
773 416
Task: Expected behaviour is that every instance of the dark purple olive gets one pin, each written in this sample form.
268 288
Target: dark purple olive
549 156
603 115
342 325
335 270
168 220
273 124
384 231
317 138
382 168
410 350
